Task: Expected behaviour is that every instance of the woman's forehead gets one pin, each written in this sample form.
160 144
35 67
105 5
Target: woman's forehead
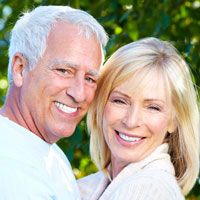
151 83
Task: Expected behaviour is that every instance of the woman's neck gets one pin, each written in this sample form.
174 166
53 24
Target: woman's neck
116 167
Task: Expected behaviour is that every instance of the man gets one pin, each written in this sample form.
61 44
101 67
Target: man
54 57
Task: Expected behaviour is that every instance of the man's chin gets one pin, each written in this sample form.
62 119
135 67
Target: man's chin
64 133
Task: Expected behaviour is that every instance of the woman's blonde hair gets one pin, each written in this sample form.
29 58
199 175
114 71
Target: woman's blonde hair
147 54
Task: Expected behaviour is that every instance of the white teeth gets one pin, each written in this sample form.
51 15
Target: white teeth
65 108
128 138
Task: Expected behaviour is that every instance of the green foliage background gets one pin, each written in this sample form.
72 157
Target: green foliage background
177 21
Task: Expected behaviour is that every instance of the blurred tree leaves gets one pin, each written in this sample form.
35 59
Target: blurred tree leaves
177 21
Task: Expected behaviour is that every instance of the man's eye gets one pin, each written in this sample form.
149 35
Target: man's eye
90 80
62 70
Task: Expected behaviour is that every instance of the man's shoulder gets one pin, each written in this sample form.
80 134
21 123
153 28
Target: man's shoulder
58 153
22 180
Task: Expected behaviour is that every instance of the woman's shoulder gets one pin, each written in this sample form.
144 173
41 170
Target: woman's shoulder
153 183
92 185
91 179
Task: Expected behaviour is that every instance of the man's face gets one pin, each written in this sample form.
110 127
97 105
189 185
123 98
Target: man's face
56 94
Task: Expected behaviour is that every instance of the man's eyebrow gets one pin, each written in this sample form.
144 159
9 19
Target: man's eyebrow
66 63
93 73
72 65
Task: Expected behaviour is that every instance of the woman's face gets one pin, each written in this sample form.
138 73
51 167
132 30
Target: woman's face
136 119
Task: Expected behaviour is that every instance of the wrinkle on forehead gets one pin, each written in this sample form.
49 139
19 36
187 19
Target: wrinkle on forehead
72 65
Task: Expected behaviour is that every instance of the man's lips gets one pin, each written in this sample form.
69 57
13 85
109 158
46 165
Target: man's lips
66 109
128 138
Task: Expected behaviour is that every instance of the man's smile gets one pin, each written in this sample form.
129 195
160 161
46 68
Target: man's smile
65 108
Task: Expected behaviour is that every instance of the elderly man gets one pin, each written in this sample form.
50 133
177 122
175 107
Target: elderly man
54 57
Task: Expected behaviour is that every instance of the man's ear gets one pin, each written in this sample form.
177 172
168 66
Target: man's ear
19 66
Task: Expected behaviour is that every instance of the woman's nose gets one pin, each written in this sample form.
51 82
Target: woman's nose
133 117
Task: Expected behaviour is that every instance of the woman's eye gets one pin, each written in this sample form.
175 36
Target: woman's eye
118 101
156 108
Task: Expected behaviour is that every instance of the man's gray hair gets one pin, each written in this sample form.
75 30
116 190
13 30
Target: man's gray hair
30 32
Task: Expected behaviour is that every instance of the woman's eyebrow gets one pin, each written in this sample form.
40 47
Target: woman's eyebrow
121 93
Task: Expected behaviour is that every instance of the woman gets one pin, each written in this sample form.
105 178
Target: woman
144 126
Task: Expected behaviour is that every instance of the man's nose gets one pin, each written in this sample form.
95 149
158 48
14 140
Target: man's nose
77 89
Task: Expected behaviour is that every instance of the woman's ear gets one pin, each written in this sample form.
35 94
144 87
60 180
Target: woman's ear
19 65
172 126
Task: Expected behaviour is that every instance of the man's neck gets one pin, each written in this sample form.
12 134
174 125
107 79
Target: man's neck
15 113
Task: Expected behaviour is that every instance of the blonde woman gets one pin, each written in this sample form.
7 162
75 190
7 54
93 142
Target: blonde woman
144 126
